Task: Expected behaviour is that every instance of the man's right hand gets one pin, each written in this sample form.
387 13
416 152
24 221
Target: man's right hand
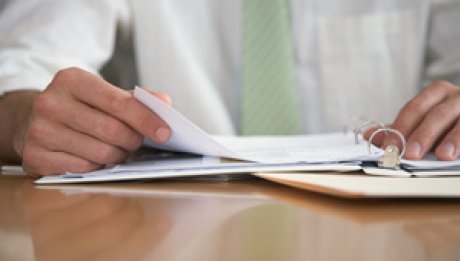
81 122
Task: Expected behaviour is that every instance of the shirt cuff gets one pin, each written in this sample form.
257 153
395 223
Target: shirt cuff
12 84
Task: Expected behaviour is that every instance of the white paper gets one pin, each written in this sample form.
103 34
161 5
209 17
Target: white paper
430 161
187 137
106 175
331 147
321 148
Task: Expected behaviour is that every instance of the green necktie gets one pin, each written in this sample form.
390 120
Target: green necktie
270 102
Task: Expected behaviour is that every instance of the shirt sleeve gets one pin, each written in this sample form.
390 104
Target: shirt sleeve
40 37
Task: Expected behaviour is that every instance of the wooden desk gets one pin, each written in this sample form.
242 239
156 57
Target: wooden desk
250 220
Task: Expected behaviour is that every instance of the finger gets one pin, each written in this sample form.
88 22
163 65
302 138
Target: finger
38 162
114 101
435 124
448 149
85 119
414 111
55 137
162 96
367 134
377 140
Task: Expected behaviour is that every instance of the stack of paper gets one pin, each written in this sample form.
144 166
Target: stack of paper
325 152
187 137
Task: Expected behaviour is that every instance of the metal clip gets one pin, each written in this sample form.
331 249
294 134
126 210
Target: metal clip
390 158
364 125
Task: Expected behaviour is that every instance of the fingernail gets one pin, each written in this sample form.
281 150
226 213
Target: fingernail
447 149
414 148
162 134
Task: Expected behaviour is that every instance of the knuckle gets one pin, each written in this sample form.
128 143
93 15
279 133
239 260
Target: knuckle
131 141
439 87
106 154
45 104
67 74
84 166
36 132
443 111
117 102
424 136
136 142
413 106
108 128
441 84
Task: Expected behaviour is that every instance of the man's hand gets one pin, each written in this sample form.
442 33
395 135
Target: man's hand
430 121
81 122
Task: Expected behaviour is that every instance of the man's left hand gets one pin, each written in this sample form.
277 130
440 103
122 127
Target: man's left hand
430 121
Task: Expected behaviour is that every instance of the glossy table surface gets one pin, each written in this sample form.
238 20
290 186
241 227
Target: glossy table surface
199 220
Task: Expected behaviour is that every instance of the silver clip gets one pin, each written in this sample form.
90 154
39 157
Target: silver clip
365 125
391 157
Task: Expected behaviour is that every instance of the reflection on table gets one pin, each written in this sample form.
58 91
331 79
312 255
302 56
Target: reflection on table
245 220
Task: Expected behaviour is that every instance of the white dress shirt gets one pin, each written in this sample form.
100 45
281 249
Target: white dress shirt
353 58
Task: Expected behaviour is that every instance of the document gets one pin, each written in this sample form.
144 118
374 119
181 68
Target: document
187 137
161 165
320 148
